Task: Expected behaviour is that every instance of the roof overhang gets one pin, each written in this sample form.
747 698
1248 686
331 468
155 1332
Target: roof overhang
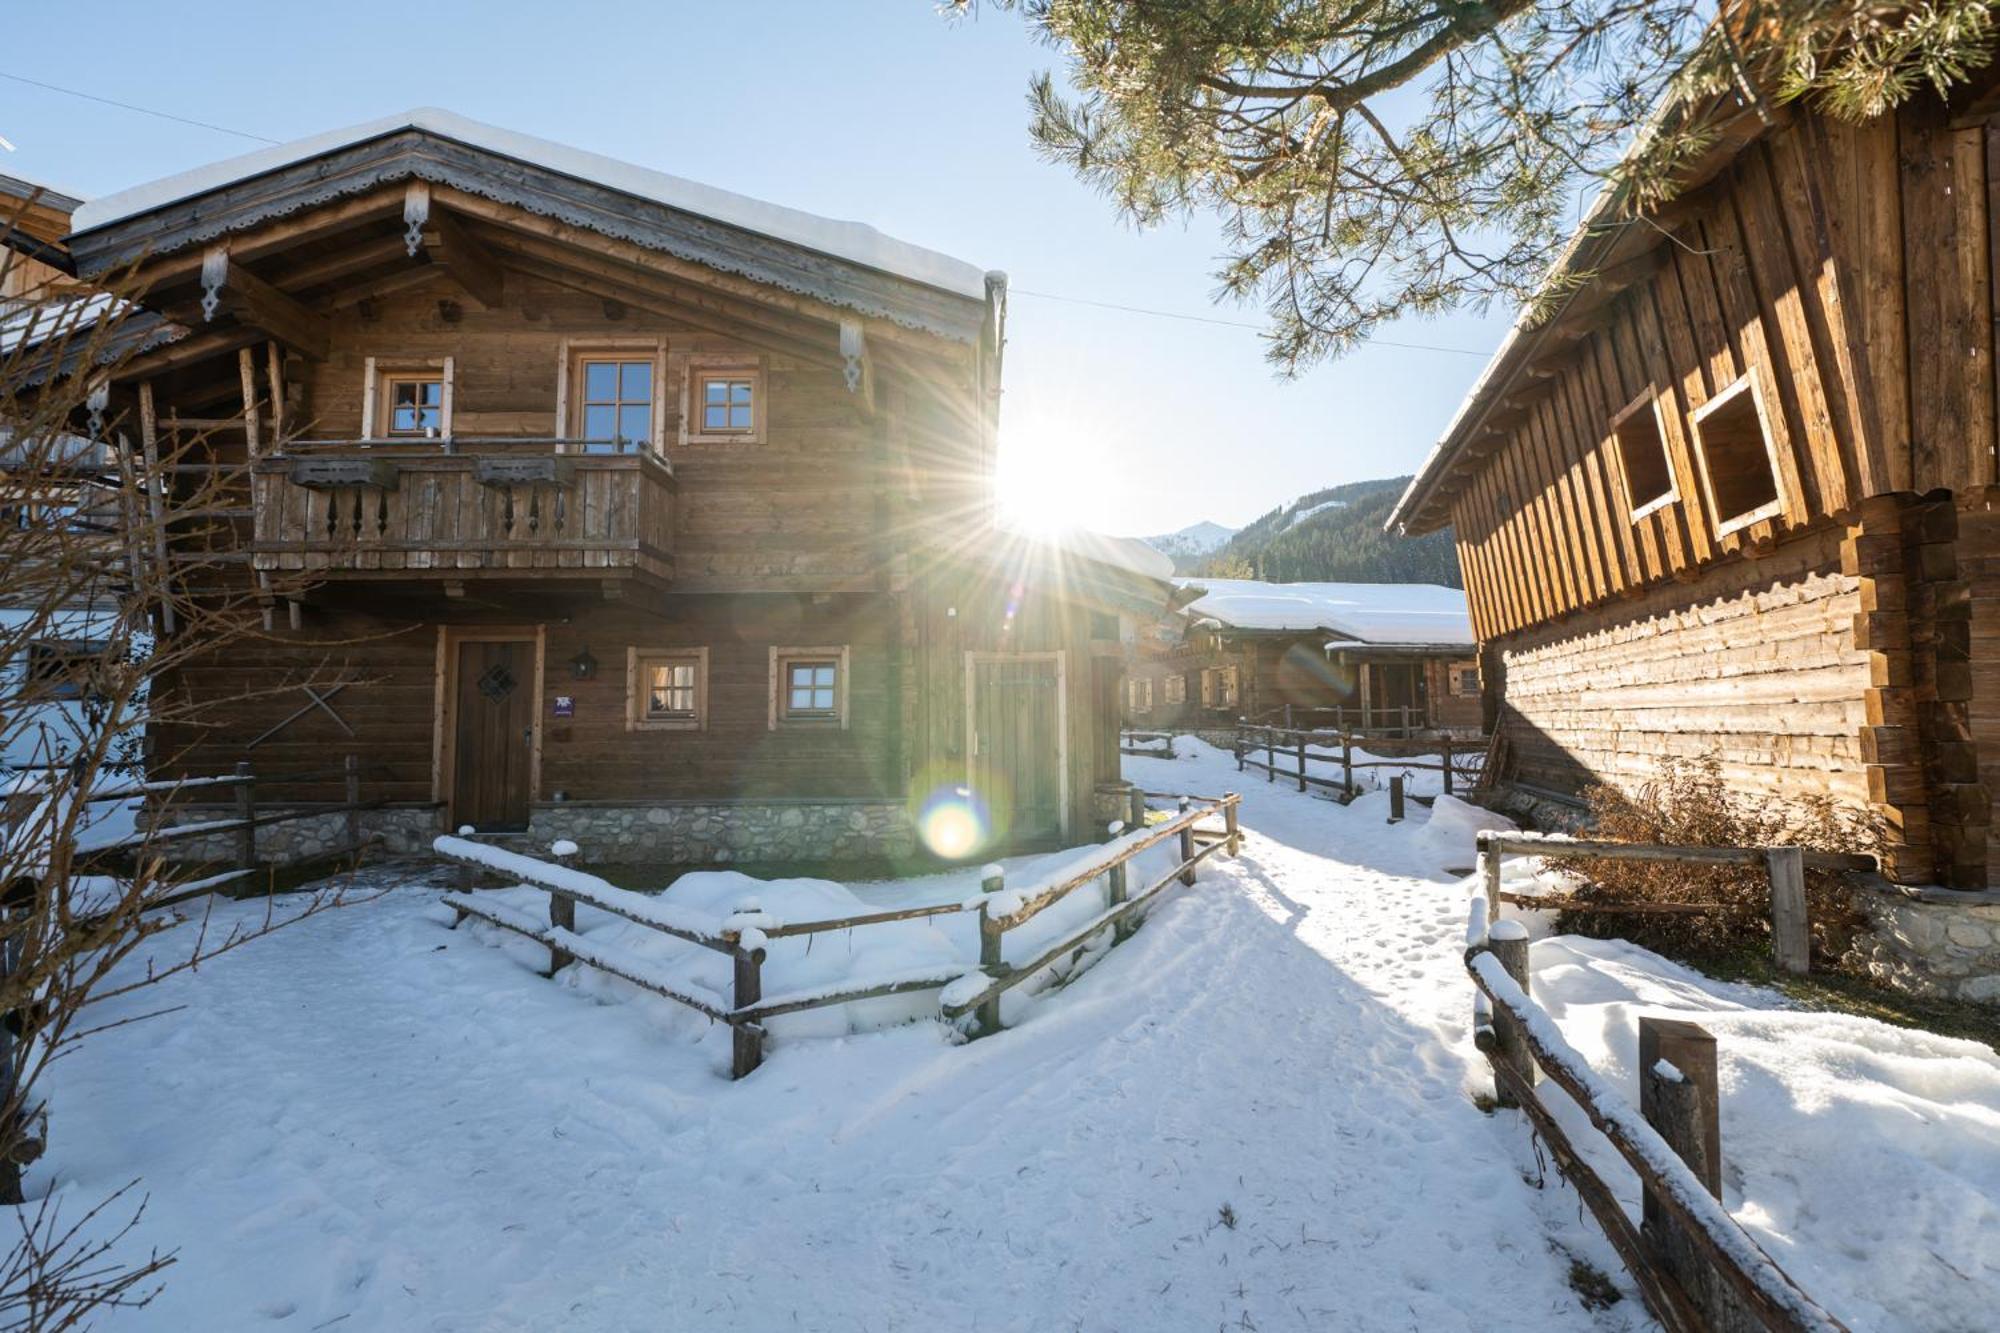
202 209
1611 250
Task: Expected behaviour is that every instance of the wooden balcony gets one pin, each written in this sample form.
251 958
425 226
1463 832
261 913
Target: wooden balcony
464 509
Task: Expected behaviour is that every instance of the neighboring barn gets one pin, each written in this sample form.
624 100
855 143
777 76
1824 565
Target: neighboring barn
1737 494
603 504
1379 656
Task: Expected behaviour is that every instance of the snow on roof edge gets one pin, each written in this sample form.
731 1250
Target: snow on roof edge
856 242
1367 613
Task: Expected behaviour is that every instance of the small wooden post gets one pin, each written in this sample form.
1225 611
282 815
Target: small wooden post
1508 941
1489 873
1690 1049
991 960
1242 745
1270 754
562 916
1187 844
1791 931
246 811
1288 717
1444 747
1232 822
352 765
1302 760
1138 803
1117 883
1406 722
746 1038
1396 799
1347 763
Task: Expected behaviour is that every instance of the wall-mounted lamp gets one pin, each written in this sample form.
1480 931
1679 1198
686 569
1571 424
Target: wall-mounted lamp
583 666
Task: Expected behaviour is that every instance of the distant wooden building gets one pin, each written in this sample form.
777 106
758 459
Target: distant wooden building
1383 656
594 503
1738 494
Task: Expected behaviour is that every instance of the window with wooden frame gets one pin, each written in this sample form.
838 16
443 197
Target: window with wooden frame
808 687
1174 689
1739 467
722 401
407 400
1226 687
1142 695
1464 679
666 689
63 669
1642 453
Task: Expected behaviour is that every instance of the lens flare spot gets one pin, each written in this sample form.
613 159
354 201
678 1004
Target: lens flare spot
953 823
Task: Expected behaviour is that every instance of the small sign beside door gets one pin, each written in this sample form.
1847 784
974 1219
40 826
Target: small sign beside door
565 705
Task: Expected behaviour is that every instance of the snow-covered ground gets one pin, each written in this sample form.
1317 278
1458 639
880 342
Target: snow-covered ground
1255 1114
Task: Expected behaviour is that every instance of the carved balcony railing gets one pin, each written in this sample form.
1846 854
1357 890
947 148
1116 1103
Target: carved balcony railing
480 508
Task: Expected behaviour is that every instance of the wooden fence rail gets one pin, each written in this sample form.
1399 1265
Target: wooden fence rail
1696 1267
745 933
1791 927
1455 764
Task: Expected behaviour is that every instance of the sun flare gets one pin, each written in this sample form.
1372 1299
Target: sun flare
1051 480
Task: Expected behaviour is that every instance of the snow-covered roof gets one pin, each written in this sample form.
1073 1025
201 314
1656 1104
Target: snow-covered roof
853 241
1399 613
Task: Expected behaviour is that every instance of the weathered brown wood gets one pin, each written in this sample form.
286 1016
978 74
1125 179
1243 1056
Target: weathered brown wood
747 1038
1791 933
992 958
1508 941
246 814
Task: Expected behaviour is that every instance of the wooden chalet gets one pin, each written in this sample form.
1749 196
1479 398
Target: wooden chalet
1384 657
1737 495
590 502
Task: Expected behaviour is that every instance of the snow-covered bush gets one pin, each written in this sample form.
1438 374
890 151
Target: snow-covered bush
1690 804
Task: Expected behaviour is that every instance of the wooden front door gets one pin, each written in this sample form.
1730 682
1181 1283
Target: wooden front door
494 705
1016 712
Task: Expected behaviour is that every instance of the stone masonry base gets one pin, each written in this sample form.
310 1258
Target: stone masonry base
720 833
1937 943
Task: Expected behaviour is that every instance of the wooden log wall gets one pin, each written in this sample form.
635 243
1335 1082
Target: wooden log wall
1757 663
1850 270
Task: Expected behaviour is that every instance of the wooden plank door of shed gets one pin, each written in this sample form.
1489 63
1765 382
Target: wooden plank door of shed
1017 745
495 734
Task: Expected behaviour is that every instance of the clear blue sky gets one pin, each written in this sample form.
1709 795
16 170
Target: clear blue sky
876 110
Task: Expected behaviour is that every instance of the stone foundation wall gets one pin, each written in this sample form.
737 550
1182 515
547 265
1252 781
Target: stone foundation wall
402 829
1933 942
722 832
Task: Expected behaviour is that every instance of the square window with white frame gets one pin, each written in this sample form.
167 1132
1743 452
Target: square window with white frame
406 399
809 686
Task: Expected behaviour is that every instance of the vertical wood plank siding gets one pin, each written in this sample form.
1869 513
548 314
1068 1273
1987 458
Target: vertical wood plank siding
1850 270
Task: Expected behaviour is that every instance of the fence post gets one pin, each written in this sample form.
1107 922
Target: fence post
1347 763
1396 799
1406 722
1677 1096
1445 750
246 811
1270 754
991 961
1116 884
746 1038
1489 873
1791 932
1288 717
1187 844
1242 744
1302 759
1508 941
352 764
1138 804
562 909
1232 822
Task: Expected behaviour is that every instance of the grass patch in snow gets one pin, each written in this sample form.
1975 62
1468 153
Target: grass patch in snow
1846 993
1593 1286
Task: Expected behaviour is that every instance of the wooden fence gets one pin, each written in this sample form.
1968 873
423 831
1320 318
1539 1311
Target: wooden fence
1696 1267
1379 721
745 933
1286 752
1791 927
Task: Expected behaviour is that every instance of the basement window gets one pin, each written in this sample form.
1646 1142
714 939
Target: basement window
1642 451
1737 466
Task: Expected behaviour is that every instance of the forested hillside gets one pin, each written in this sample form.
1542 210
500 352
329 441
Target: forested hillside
1336 536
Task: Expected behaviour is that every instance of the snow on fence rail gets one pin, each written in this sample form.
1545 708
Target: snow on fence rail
745 933
1695 1265
1454 765
1791 926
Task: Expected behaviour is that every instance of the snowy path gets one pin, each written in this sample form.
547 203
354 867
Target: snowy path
373 1123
